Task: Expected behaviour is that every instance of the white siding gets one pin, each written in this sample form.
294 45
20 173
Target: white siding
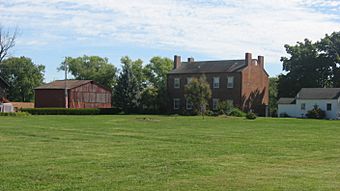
294 110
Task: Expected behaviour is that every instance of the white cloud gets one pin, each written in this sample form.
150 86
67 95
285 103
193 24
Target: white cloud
220 28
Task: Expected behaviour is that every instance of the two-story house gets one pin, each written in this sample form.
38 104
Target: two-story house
244 83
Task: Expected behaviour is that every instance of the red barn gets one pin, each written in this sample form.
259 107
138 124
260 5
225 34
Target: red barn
81 94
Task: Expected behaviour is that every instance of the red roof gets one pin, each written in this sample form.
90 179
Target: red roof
60 84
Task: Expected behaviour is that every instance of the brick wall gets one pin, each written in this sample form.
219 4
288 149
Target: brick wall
255 84
221 93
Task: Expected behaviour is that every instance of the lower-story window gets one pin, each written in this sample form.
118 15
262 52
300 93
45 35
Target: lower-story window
189 105
177 103
215 104
329 107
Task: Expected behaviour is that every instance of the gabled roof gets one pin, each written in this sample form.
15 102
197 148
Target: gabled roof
4 82
210 67
286 100
319 93
60 84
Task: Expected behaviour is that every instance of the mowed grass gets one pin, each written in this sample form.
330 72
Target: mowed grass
168 153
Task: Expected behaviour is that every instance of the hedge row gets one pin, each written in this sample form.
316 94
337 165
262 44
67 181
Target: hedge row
71 111
15 114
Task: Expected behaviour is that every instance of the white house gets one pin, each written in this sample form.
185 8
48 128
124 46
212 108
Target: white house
327 99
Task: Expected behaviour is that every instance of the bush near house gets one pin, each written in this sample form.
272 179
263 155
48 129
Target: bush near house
316 113
236 112
251 115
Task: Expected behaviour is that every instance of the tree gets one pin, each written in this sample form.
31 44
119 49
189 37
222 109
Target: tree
149 99
306 68
198 92
127 91
7 41
23 76
156 76
91 68
136 69
273 95
329 47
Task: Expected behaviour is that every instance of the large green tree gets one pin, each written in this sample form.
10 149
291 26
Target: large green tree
155 95
329 48
136 69
198 92
127 92
23 76
304 68
273 95
91 68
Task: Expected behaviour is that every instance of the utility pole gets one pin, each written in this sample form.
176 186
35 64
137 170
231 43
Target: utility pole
66 94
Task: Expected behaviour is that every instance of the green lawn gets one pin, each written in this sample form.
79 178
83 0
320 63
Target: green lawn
168 153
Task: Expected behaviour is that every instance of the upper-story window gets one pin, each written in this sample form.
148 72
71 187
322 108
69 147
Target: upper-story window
329 107
189 79
216 82
230 82
177 83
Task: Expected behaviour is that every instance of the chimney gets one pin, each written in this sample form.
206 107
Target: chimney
177 61
248 58
191 60
260 61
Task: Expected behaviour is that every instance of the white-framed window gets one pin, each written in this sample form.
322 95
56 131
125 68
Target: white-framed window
329 107
189 79
230 82
177 83
215 104
177 103
303 106
216 82
189 105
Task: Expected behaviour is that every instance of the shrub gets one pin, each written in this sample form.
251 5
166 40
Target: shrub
15 114
211 113
251 115
236 112
284 114
224 107
316 113
61 111
109 111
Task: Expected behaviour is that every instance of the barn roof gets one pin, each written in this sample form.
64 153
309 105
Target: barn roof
210 67
60 84
319 93
286 100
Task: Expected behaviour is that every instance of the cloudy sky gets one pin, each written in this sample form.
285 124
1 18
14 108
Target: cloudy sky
203 29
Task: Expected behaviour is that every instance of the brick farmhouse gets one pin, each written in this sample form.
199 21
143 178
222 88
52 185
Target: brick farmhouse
244 83
81 94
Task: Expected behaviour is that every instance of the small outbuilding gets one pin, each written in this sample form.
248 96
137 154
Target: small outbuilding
327 99
80 94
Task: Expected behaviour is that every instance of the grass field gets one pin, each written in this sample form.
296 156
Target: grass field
168 153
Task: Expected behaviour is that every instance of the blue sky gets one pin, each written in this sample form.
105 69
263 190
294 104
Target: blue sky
205 30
